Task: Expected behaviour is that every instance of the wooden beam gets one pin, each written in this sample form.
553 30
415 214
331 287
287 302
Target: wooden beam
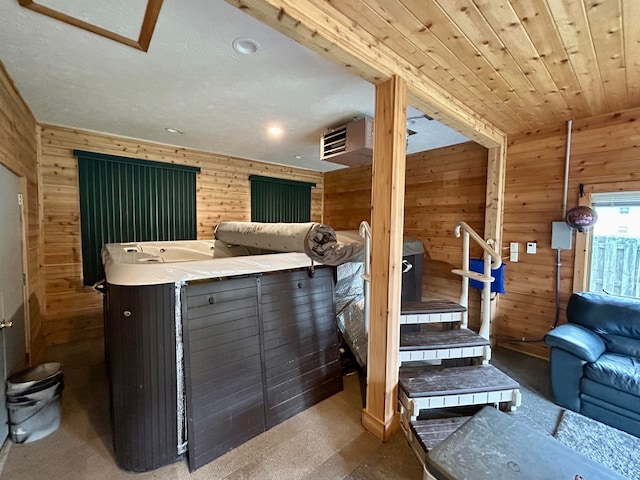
146 30
494 208
380 416
583 253
317 25
496 167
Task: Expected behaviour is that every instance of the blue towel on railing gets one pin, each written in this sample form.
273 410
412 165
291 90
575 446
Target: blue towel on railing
477 265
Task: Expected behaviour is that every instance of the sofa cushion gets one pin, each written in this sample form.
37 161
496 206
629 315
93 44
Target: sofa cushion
622 345
615 418
607 315
612 397
618 371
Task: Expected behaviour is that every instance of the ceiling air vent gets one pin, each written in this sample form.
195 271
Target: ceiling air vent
350 144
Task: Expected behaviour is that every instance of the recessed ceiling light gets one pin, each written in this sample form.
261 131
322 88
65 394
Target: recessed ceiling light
245 46
275 131
298 157
174 130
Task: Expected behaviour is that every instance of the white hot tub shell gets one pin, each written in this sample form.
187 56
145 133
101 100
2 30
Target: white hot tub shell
154 263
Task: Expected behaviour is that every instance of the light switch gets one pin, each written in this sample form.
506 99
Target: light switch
532 247
513 251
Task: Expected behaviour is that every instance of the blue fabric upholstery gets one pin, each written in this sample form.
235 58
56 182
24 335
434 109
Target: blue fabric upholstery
595 359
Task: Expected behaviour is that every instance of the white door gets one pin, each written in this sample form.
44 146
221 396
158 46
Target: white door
12 336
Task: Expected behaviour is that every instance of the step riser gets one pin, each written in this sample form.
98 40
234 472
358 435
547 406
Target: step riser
444 354
446 317
412 406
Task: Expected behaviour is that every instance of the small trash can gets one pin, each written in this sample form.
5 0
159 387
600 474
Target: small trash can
33 401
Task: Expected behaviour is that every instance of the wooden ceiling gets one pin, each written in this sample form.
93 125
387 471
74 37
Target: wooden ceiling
521 65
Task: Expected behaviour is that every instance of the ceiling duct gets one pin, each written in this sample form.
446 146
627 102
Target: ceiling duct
350 144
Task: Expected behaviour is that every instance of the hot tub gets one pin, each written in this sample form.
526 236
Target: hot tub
153 263
208 345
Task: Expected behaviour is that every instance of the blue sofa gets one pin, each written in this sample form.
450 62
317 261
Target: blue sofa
595 359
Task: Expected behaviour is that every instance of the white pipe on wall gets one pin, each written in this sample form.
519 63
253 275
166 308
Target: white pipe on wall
566 169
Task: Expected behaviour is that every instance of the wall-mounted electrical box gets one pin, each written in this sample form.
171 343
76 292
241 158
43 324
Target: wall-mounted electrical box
561 236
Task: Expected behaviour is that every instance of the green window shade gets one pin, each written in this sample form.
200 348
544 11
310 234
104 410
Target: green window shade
280 200
130 200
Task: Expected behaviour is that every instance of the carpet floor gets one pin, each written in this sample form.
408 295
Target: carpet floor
326 442
612 448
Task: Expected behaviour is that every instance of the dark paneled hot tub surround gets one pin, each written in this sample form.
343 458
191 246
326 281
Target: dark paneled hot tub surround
140 341
258 349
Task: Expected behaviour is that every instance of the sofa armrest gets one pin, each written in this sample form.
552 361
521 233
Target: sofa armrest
577 340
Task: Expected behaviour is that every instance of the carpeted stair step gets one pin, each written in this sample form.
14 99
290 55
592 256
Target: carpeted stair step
442 344
425 388
432 311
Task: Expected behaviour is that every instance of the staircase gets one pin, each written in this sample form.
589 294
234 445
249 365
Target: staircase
443 364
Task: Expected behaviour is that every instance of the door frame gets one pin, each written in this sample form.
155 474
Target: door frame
25 267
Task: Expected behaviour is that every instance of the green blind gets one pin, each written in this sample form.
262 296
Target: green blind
130 200
280 200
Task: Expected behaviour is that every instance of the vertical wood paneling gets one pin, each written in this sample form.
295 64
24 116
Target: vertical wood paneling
443 186
222 191
18 152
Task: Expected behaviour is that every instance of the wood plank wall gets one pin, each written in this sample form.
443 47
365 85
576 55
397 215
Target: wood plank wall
604 149
18 153
74 312
443 186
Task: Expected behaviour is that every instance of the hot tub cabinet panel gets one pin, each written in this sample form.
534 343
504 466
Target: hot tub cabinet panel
258 350
223 367
141 359
300 334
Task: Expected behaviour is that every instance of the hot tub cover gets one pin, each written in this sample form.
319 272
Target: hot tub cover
320 242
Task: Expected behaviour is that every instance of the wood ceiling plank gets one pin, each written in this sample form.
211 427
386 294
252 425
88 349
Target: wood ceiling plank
506 24
381 33
396 15
631 34
438 24
605 23
571 22
541 29
380 26
473 25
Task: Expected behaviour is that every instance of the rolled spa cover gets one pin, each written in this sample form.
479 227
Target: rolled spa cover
320 242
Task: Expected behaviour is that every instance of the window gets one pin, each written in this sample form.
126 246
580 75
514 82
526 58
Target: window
280 200
130 200
615 246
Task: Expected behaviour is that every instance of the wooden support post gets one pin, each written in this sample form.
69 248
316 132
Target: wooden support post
496 166
380 416
494 209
